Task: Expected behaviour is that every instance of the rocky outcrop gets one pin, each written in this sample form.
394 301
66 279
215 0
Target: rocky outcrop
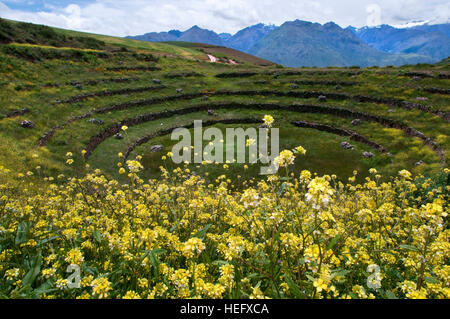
156 148
368 154
338 84
342 132
81 97
182 75
27 124
437 90
347 146
15 113
96 121
293 107
236 74
294 94
417 74
322 98
49 134
300 108
356 122
134 68
118 136
440 75
276 74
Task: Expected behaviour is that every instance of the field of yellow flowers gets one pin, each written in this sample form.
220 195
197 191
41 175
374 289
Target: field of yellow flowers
297 236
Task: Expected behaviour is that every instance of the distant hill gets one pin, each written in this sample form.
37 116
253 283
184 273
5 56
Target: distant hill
224 54
443 28
225 36
300 43
247 38
194 34
425 40
243 40
159 36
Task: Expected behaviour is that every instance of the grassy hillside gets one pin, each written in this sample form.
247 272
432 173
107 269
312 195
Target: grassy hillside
79 94
62 88
224 54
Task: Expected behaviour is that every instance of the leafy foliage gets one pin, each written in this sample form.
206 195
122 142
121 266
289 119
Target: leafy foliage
298 236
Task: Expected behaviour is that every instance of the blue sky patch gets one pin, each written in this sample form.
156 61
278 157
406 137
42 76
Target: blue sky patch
42 5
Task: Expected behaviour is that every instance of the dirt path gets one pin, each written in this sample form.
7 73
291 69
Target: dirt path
212 58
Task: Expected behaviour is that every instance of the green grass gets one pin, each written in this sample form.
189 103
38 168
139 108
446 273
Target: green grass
32 60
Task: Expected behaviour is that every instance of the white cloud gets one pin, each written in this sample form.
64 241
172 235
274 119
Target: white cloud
132 17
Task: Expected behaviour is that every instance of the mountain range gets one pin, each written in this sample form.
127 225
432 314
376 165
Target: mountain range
432 41
301 43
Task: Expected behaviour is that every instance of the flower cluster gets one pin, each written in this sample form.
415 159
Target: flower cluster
268 120
193 247
184 236
285 158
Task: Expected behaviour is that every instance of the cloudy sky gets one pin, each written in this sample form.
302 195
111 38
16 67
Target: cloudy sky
132 17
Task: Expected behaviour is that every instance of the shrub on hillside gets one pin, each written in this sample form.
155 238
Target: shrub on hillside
34 54
22 32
